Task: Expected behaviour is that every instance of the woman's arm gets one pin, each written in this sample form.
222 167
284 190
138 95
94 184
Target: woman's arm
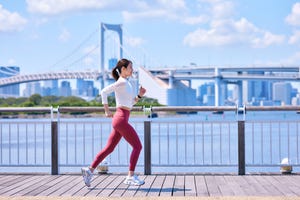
104 93
107 111
141 93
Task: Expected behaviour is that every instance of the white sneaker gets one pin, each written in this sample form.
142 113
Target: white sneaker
133 180
87 176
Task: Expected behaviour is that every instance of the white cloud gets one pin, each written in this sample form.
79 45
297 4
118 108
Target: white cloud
222 9
55 7
134 41
147 14
11 61
201 37
267 39
172 4
293 59
295 38
11 21
195 20
64 36
294 18
159 9
224 30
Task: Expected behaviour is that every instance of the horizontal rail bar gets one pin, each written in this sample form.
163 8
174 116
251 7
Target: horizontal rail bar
152 109
92 109
26 109
273 108
185 108
193 108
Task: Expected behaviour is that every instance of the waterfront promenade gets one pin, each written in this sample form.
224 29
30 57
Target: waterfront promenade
157 186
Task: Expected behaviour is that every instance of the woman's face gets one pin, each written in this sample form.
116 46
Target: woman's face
128 71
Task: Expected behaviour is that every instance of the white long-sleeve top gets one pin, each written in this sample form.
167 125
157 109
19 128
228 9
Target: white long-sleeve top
124 93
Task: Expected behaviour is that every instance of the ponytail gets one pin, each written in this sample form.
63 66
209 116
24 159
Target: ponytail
116 72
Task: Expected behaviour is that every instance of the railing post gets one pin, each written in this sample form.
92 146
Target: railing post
241 148
54 148
147 147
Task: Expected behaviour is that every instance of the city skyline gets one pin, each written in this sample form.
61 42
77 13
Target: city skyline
257 91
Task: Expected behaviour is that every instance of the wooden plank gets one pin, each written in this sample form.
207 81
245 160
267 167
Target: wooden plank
19 189
37 187
7 180
121 188
281 185
53 185
78 185
201 187
252 186
294 183
131 191
117 180
64 186
167 187
223 186
212 186
190 186
11 180
156 186
235 186
271 190
95 189
14 188
178 189
99 183
143 189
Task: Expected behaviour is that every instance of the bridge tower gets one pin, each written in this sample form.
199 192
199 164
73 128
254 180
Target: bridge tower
113 27
217 87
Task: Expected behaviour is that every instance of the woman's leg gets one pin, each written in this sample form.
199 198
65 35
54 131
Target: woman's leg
112 142
130 135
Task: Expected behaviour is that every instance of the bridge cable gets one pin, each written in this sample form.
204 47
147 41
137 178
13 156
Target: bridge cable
76 49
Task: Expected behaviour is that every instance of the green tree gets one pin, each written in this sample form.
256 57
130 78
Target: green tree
72 101
49 100
35 99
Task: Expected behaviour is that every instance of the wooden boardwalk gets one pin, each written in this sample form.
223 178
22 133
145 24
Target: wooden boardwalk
163 185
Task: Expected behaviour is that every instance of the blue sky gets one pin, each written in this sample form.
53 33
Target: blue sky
47 35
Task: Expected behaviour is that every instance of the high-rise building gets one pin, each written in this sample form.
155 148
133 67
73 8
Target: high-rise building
207 94
32 88
86 88
50 88
9 71
80 86
282 92
65 89
259 90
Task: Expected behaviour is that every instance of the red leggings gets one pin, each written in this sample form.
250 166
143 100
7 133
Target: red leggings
121 128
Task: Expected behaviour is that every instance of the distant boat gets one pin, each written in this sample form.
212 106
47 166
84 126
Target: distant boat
187 112
218 112
153 115
240 112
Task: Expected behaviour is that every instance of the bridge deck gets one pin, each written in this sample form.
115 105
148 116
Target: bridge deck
164 185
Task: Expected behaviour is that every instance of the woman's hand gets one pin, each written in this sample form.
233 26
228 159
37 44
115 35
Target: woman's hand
107 111
142 91
108 114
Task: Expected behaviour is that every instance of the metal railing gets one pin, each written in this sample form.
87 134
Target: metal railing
59 142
